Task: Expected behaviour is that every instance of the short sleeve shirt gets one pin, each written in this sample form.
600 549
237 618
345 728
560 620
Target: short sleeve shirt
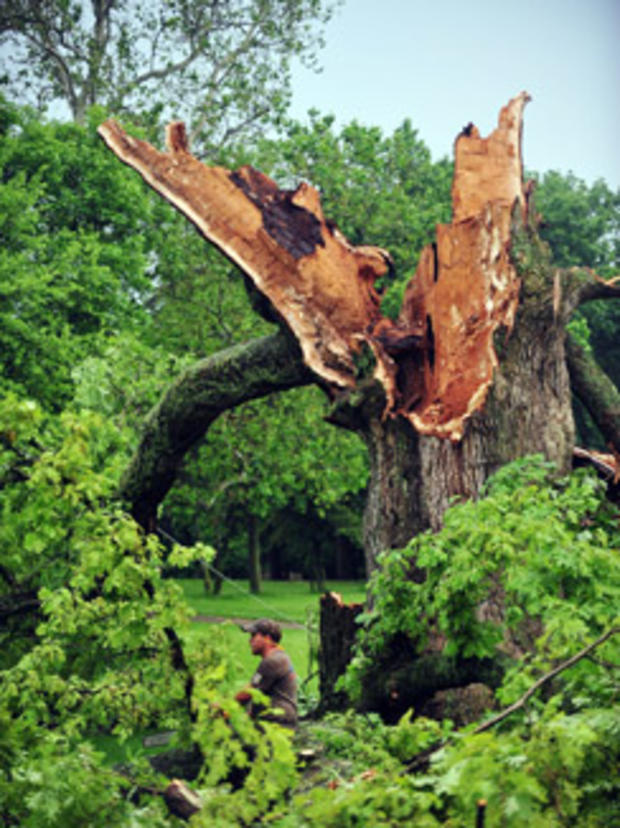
275 677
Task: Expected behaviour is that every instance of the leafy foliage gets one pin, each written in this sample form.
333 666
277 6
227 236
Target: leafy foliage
72 266
246 468
530 569
225 65
104 655
537 555
581 223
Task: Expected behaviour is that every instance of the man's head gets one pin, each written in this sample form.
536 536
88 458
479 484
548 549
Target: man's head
264 635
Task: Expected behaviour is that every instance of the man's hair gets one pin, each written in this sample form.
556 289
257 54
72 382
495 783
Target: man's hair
264 626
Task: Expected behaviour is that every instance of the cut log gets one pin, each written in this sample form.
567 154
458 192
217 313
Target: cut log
181 800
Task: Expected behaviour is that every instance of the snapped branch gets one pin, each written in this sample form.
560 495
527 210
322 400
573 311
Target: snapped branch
544 679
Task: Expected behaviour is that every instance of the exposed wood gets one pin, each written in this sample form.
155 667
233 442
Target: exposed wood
437 366
319 284
466 286
436 363
607 465
181 800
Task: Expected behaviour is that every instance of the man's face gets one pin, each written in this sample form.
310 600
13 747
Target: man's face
258 641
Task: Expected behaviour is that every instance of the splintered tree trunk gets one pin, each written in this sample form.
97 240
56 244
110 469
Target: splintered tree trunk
528 411
471 375
337 632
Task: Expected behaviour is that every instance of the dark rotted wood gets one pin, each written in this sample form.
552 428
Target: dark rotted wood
338 629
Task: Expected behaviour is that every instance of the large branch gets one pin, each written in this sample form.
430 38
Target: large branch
194 401
436 363
595 390
582 285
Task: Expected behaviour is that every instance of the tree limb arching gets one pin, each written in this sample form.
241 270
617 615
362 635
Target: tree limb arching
194 401
595 390
579 285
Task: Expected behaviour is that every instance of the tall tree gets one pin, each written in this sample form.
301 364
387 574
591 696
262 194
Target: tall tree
224 63
73 267
472 373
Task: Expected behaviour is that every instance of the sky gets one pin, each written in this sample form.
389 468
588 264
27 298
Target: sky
446 63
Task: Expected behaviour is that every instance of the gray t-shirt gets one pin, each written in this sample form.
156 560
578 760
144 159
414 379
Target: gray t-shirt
275 677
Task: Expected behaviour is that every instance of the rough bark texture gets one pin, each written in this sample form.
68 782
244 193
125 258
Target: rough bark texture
194 401
436 362
472 374
476 356
414 476
596 391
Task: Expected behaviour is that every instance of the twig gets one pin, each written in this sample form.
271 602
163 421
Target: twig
543 679
424 755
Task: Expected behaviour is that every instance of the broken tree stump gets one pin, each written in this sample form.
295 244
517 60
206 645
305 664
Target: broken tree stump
338 628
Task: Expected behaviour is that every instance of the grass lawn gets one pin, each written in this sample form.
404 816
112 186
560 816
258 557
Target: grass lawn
289 602
284 601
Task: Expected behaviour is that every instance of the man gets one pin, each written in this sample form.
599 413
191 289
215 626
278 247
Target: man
275 676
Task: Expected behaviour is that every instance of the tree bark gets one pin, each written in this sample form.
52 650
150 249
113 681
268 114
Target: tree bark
596 391
254 554
471 375
193 402
337 628
413 477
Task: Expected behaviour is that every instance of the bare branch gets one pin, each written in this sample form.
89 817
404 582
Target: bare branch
544 679
422 757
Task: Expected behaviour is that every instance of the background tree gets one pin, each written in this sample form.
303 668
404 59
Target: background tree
73 270
242 479
225 65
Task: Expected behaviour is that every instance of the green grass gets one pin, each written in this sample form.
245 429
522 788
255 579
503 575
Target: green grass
284 601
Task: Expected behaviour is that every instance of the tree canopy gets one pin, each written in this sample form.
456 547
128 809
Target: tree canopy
224 64
113 318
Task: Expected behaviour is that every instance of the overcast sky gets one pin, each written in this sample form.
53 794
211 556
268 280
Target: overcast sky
444 63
